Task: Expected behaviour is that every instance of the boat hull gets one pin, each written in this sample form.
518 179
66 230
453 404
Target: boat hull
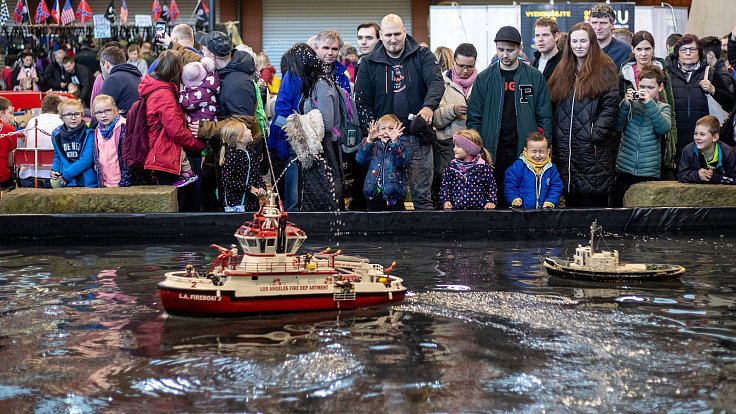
210 303
658 273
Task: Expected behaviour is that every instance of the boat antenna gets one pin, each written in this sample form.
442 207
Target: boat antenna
593 228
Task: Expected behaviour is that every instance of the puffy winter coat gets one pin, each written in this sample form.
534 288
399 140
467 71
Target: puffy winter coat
626 81
199 102
167 127
387 164
642 125
691 102
583 145
523 182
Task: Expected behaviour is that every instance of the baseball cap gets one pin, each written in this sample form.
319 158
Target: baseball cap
508 34
218 43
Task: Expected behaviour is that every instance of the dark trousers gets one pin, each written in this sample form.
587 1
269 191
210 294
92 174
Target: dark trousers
585 200
30 182
622 184
503 161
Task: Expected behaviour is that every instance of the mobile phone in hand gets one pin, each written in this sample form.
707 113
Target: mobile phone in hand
160 30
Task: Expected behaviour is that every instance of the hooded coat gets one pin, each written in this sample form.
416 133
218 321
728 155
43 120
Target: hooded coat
237 91
523 182
77 172
374 94
167 127
122 85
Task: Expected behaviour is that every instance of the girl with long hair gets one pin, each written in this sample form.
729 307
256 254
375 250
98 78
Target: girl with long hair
584 92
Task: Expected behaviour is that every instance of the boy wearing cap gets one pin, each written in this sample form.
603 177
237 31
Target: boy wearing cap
509 100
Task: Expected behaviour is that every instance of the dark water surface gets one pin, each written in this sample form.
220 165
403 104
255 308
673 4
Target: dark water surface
82 330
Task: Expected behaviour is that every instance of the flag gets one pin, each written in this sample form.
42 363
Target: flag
4 13
202 18
67 15
173 11
55 12
84 12
42 12
124 13
156 10
18 12
110 13
165 11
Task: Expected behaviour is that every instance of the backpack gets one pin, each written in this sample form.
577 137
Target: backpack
349 133
135 141
261 112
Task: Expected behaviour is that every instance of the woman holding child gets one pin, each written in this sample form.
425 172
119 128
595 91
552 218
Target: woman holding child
167 126
584 91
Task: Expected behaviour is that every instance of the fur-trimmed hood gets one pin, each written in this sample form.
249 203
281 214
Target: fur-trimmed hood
305 134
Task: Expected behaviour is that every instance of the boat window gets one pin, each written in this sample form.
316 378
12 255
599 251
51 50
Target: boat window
297 244
252 242
290 245
262 246
271 242
254 278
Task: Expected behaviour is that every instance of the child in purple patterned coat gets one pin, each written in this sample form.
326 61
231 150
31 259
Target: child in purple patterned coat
198 100
468 183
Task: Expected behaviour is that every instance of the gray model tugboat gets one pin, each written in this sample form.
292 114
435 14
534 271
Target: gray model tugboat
604 266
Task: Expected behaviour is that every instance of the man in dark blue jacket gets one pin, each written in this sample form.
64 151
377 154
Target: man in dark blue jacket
121 78
400 77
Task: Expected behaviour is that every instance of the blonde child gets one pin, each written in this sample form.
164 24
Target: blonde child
387 154
468 183
533 181
111 170
73 142
706 160
241 176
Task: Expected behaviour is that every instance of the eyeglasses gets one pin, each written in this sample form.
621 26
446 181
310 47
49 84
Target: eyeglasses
71 115
688 49
107 111
465 67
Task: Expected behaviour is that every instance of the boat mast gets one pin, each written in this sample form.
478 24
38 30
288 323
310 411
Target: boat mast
593 228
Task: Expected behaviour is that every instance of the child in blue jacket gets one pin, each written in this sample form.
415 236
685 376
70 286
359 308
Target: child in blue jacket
705 160
468 182
533 181
387 154
74 142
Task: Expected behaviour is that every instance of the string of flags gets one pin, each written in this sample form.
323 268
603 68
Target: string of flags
160 10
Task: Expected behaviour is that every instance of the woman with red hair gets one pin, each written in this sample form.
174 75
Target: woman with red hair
584 92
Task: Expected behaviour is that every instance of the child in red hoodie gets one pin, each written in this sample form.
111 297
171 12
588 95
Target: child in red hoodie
8 141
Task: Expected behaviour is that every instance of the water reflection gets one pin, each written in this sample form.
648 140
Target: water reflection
81 330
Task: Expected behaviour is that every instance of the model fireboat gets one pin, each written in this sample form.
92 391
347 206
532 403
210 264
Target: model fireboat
269 277
604 266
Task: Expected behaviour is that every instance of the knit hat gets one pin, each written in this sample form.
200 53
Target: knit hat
469 146
508 34
193 74
218 43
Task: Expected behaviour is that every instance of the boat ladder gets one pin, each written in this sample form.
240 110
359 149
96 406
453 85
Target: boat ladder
343 296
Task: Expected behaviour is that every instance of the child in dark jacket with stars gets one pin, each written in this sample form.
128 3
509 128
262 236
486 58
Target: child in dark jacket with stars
241 176
387 154
468 182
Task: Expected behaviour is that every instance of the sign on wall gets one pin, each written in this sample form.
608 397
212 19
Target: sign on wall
566 15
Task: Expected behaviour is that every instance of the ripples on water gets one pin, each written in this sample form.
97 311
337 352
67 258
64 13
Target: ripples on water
81 330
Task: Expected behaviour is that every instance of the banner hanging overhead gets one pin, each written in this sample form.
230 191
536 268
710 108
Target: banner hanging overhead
566 15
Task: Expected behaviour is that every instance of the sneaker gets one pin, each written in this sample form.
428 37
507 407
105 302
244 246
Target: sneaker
186 178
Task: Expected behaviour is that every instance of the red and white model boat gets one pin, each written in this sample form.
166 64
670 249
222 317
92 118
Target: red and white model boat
270 277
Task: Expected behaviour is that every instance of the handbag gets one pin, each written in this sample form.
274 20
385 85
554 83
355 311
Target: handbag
714 108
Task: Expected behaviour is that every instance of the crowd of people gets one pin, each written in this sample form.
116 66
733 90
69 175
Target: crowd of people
388 124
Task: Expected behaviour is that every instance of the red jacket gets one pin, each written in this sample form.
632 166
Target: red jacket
7 145
167 126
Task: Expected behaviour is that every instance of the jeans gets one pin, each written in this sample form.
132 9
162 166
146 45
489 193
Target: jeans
420 173
291 183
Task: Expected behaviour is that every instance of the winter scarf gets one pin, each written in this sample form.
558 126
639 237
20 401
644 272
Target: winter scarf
537 165
466 84
106 131
688 72
66 134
